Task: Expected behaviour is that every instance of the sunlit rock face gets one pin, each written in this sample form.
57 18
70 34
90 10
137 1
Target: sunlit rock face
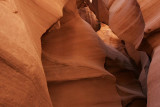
109 38
115 12
138 58
73 67
79 53
79 63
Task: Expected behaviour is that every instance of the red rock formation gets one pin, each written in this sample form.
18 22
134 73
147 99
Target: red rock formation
80 69
23 22
109 38
77 64
73 59
150 44
119 14
89 17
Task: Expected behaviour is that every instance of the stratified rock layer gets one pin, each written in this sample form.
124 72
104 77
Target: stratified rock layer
73 55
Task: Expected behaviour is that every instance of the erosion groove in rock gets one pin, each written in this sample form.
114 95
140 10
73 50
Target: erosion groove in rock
79 53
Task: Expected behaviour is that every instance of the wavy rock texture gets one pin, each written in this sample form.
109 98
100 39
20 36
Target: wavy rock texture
79 65
140 58
151 43
71 65
75 71
23 82
121 16
125 20
151 14
150 11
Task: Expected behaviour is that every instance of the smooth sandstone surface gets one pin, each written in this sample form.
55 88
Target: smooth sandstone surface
150 11
70 65
153 78
81 61
151 14
124 17
23 82
74 71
